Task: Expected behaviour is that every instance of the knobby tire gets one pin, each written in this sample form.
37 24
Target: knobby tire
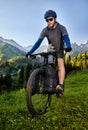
37 101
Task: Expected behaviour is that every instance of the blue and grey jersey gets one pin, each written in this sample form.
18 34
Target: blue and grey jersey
57 36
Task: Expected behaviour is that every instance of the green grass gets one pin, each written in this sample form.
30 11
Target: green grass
69 112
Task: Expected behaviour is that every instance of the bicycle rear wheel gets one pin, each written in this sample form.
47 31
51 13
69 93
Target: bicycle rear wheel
37 101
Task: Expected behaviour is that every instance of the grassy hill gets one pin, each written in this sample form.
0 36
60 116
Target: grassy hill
8 51
69 112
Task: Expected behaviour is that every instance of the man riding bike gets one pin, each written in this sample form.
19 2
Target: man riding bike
57 36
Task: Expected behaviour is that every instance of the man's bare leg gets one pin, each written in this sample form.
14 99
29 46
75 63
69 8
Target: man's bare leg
61 74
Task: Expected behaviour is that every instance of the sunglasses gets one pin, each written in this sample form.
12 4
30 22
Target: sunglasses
51 19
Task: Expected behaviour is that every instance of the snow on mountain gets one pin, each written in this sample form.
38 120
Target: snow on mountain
76 49
84 46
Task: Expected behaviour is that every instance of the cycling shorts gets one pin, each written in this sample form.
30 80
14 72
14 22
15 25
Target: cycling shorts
61 55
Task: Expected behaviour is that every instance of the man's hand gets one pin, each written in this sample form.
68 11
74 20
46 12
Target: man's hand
68 49
28 55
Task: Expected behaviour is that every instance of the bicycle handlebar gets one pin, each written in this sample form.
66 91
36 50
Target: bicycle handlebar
46 53
49 52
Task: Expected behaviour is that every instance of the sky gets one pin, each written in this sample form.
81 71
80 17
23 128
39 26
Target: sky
23 20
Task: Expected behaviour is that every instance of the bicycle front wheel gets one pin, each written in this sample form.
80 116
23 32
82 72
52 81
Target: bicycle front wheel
37 101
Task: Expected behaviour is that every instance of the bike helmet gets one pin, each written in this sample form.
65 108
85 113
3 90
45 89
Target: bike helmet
50 13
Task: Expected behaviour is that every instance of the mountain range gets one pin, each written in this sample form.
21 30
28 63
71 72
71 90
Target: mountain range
76 49
9 49
12 42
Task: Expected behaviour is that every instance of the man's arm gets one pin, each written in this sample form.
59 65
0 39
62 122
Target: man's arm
67 42
36 45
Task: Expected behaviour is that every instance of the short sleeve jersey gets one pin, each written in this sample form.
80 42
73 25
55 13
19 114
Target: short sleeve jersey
54 36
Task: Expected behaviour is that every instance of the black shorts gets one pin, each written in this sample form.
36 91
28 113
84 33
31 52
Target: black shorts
61 55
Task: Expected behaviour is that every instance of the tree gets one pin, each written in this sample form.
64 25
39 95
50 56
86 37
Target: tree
68 65
8 81
1 82
27 71
21 76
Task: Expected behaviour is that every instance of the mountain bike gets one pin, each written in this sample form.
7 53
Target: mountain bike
41 83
